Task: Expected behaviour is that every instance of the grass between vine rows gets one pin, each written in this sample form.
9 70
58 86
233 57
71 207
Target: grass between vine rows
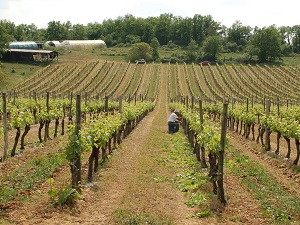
177 155
278 204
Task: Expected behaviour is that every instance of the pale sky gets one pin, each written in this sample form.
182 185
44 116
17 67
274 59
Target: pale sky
261 13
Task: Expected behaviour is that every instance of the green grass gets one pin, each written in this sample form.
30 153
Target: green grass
113 54
27 176
12 73
276 202
192 180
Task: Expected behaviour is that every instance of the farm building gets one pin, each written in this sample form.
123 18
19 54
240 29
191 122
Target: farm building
83 44
24 45
30 55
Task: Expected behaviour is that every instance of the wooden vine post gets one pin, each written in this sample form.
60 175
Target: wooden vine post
122 126
232 117
70 109
220 190
76 164
47 121
106 105
5 126
267 130
202 149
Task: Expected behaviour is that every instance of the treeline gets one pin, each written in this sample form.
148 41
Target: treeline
168 30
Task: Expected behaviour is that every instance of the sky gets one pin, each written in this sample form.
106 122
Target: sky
260 13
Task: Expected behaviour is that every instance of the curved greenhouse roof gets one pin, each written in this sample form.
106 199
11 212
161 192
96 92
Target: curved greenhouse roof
83 44
24 45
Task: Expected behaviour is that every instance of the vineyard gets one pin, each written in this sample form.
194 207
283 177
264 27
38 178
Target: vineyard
61 120
209 83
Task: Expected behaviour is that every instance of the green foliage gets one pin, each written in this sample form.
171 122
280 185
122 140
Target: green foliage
203 213
266 44
192 51
63 196
140 51
155 46
197 199
74 146
209 134
7 193
212 47
190 180
133 39
27 176
58 31
238 36
97 131
296 38
19 118
287 124
5 38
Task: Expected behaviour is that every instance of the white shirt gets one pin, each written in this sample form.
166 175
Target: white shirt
172 117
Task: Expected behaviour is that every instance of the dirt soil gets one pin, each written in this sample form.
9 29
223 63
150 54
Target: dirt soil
128 183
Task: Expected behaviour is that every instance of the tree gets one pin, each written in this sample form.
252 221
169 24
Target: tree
192 51
147 31
162 28
94 31
140 51
111 32
79 32
204 26
286 39
24 32
155 45
132 39
5 38
181 31
58 31
266 43
296 39
212 46
9 27
239 35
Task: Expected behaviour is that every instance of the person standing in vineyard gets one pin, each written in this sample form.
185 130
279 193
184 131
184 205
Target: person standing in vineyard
173 121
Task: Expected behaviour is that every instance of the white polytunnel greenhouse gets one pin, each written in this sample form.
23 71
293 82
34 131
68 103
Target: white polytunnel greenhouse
24 45
83 44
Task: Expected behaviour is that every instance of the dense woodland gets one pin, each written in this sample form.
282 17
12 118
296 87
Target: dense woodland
201 36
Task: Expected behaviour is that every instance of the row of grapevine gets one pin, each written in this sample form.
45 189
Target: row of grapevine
22 113
210 83
97 133
206 138
103 126
237 81
205 82
94 78
259 121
